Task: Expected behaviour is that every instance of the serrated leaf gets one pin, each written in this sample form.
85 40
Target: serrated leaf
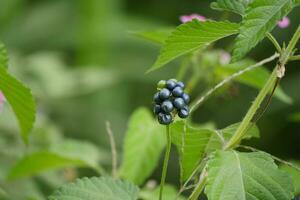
143 145
69 153
193 36
261 17
295 174
199 142
255 78
21 101
3 56
158 36
246 176
103 188
236 6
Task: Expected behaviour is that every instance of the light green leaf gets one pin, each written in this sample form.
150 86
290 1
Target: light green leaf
246 176
255 78
21 101
144 143
193 36
158 36
103 188
261 17
295 174
3 56
70 153
169 193
236 6
199 142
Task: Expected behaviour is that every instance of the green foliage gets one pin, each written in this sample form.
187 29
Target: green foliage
255 78
97 188
3 56
169 193
70 153
21 101
157 36
193 36
143 145
236 6
295 174
261 17
234 175
199 142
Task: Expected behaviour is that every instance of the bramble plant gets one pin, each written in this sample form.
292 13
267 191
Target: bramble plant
212 161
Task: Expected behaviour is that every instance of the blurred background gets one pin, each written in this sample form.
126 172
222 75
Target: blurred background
85 67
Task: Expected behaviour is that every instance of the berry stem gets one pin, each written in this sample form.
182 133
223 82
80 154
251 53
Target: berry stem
166 161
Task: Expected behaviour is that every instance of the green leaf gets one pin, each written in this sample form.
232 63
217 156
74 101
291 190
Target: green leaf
70 153
255 78
3 56
295 174
103 188
236 6
21 101
157 36
261 17
246 176
193 36
144 143
199 142
169 193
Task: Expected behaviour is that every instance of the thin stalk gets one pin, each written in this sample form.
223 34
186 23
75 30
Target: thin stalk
200 186
274 41
294 58
113 149
166 161
290 48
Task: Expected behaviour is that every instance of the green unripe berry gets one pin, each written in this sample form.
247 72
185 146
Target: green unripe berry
161 84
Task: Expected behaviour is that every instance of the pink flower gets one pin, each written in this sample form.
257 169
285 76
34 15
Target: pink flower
284 23
188 18
225 58
2 99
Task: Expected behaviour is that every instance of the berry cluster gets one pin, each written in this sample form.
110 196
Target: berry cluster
170 100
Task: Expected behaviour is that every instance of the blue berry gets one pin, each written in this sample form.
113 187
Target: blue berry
183 113
177 91
164 119
171 84
186 98
179 103
164 94
157 109
167 106
180 84
156 98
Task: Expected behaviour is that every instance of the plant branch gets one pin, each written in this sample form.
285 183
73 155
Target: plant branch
289 51
166 161
200 186
113 149
294 58
274 41
200 100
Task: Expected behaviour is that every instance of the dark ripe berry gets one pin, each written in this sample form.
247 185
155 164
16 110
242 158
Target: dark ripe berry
156 98
171 84
183 113
164 94
179 103
156 109
167 106
186 98
161 84
177 91
180 84
164 119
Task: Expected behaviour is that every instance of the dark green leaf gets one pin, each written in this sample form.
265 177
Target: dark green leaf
236 6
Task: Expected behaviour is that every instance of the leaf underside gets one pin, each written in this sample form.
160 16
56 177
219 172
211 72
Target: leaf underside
193 36
103 188
246 176
143 145
260 18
